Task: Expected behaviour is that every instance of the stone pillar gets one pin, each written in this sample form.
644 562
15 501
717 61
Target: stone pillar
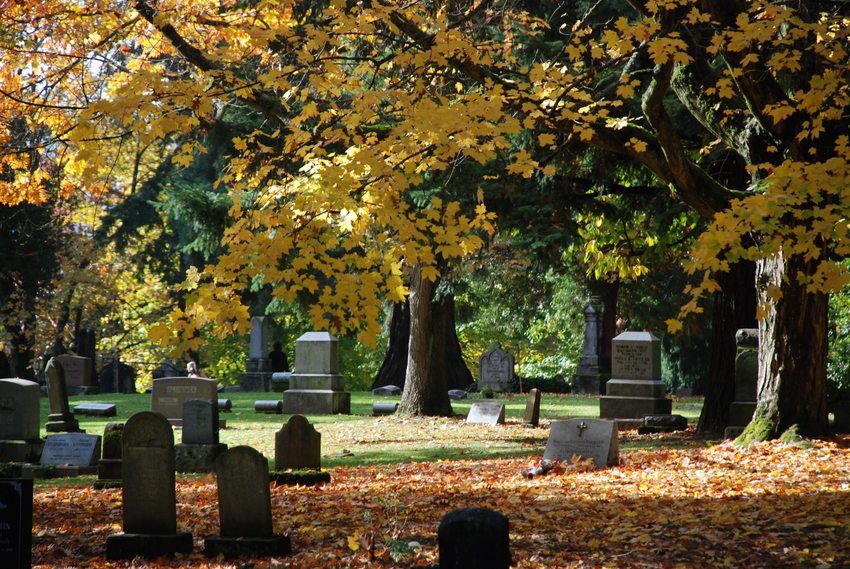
316 386
258 369
594 369
746 380
635 389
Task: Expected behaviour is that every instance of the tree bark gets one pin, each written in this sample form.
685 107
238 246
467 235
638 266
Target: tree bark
394 366
734 308
425 390
792 353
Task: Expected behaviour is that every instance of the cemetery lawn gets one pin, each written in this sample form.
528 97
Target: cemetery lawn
674 501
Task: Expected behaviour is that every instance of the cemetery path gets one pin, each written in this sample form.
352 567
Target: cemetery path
770 505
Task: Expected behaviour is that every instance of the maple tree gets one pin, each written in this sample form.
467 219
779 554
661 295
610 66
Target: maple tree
357 102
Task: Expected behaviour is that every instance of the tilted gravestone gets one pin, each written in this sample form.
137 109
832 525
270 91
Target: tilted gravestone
200 445
16 523
486 413
586 438
244 507
316 387
60 420
170 393
635 389
149 496
258 368
532 408
19 421
109 465
298 445
72 449
474 538
496 370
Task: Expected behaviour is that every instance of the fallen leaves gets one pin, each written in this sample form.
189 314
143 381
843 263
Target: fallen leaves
768 505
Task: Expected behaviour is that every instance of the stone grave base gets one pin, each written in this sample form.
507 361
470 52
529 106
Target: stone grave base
300 478
612 407
21 451
593 384
232 547
316 402
197 457
741 413
149 546
60 423
255 381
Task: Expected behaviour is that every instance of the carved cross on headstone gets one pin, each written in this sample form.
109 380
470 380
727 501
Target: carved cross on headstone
581 427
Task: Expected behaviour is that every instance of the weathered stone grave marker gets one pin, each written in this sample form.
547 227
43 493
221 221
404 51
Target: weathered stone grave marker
298 445
474 538
60 420
486 413
532 408
635 389
170 393
200 444
19 421
594 368
458 394
244 507
496 370
109 465
16 523
586 438
71 449
149 496
316 386
387 391
746 381
79 374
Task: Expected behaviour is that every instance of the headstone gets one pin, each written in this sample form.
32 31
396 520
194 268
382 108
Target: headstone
280 381
16 523
635 389
496 370
532 408
662 424
746 381
594 369
96 409
244 507
387 391
474 538
586 438
384 408
200 445
109 465
258 367
458 394
486 413
72 449
149 499
60 419
298 445
19 421
170 393
78 373
274 406
117 377
316 386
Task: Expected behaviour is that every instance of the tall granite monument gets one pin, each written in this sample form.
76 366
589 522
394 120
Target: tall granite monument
258 367
316 386
594 369
635 389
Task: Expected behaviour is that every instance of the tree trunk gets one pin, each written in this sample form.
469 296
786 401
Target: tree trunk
394 366
22 344
734 308
425 391
792 353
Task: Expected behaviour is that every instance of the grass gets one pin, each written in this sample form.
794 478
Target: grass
360 439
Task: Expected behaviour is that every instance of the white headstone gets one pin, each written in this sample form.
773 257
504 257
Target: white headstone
486 413
496 370
586 438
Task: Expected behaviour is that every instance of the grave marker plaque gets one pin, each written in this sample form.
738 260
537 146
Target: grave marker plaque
586 438
486 413
73 449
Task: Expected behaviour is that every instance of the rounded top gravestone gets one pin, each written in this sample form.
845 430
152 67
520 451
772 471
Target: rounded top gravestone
244 500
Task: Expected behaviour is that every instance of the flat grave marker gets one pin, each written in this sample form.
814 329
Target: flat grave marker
486 413
73 449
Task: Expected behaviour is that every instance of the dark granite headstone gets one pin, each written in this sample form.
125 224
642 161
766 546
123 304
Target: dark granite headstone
532 408
594 369
149 496
200 445
474 538
298 445
384 407
16 523
387 390
96 409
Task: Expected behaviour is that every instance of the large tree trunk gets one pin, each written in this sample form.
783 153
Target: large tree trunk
425 391
792 353
734 308
394 366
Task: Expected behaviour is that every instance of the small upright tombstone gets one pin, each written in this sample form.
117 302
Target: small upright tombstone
244 508
16 523
486 413
60 420
594 369
19 421
532 408
109 466
474 538
635 389
746 380
258 367
298 445
586 438
200 446
316 387
149 495
496 370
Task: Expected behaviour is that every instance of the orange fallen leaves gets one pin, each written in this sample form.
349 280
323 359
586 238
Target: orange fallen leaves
766 506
